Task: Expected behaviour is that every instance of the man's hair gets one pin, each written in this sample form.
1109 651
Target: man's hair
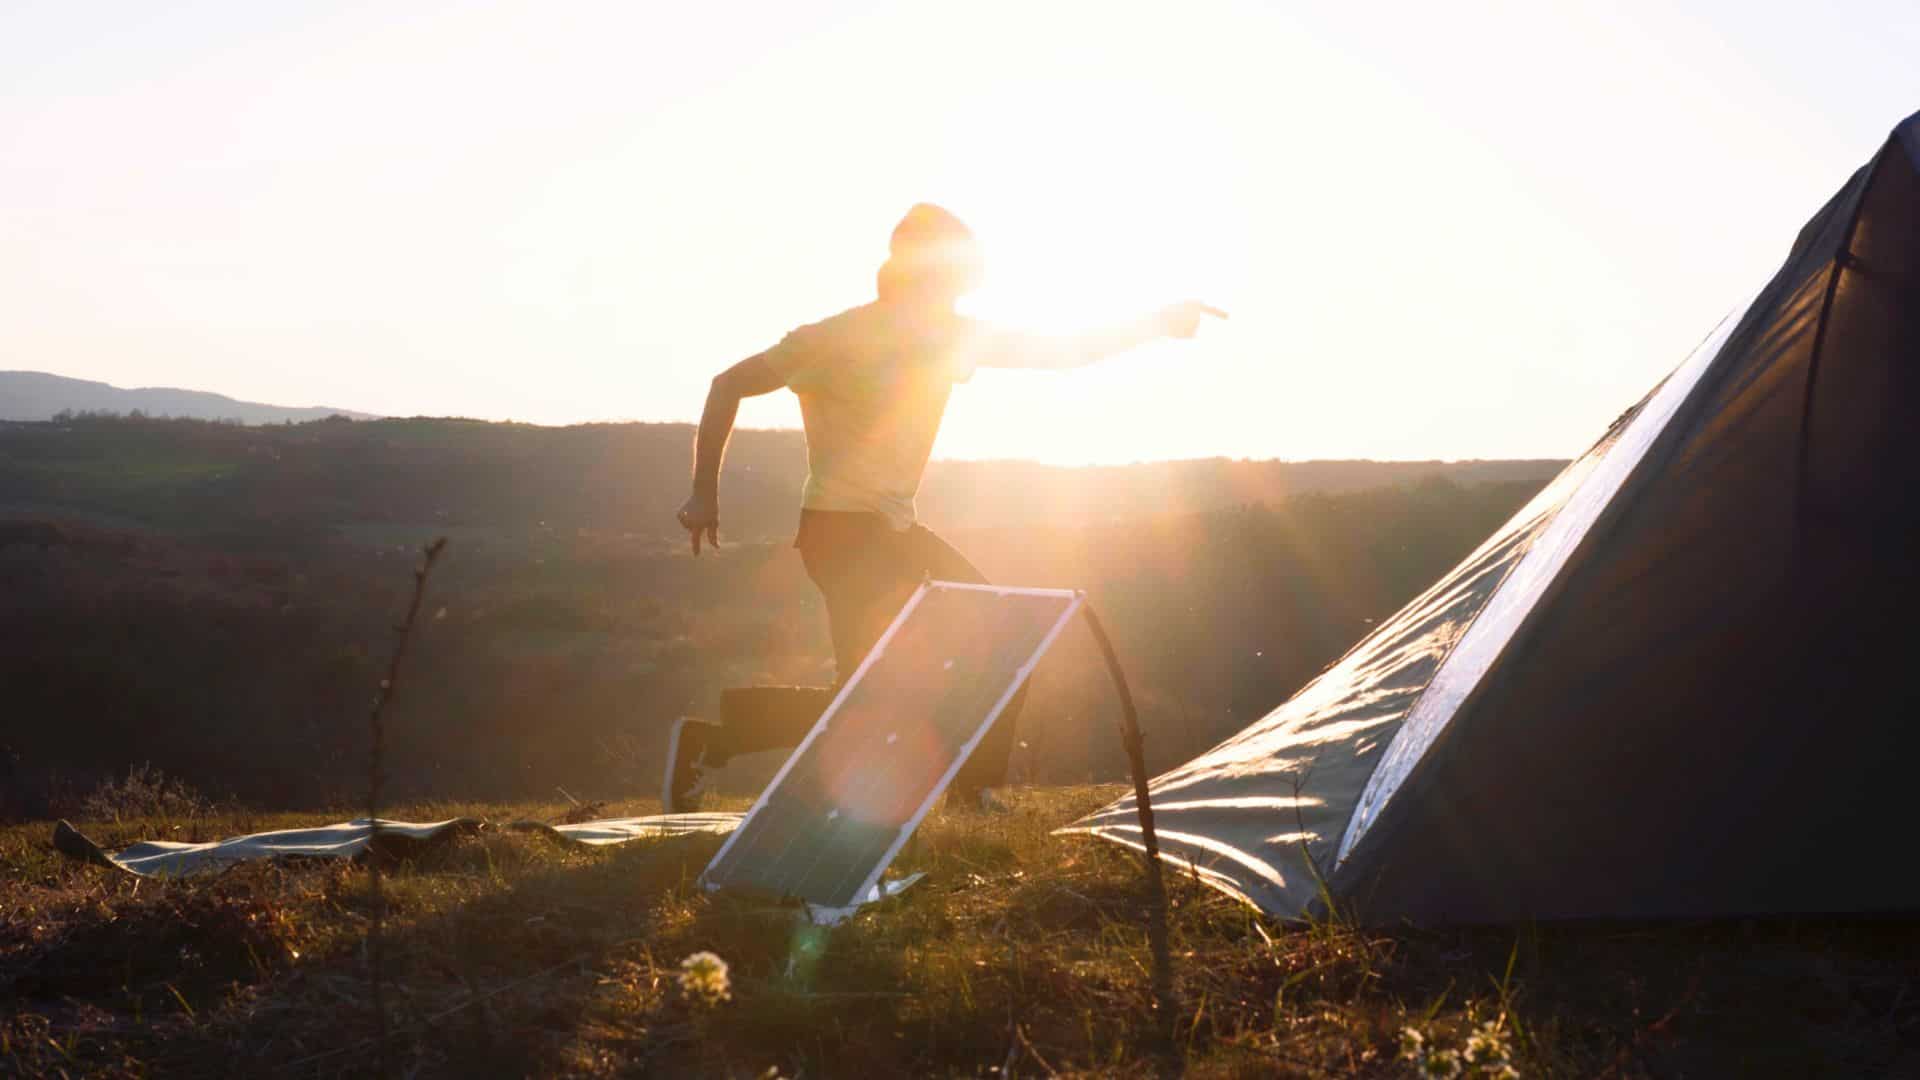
931 251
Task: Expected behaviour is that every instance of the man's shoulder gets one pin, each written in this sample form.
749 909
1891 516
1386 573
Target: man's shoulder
879 331
857 332
853 319
811 352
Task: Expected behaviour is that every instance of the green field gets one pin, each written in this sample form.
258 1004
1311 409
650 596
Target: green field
1021 953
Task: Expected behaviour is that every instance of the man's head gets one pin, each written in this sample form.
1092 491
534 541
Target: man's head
932 257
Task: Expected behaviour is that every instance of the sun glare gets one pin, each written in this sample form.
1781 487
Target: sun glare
1097 200
1094 199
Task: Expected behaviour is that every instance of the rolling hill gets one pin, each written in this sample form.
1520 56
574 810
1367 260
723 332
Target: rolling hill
38 395
503 482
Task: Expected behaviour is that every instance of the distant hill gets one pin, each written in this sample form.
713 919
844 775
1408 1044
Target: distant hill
998 493
505 482
37 395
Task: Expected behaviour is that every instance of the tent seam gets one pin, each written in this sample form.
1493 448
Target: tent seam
1841 260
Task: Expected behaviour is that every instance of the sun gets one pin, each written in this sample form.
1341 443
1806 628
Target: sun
1094 203
1061 280
1093 210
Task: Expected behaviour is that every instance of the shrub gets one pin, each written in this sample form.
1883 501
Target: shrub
145 793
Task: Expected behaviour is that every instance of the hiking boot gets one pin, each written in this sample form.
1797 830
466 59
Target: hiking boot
686 766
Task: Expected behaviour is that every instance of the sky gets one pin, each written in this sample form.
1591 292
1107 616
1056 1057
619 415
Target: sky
1471 230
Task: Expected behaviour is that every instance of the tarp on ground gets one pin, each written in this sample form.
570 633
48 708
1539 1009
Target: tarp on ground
1672 685
347 839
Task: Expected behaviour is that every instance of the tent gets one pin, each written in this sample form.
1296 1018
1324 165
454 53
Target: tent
1673 685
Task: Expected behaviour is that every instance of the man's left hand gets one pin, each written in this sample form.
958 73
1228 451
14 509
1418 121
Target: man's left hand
700 516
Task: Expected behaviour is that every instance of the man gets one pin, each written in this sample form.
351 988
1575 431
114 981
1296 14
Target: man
873 384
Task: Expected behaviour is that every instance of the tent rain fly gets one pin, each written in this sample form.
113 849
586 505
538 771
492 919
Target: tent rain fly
1671 684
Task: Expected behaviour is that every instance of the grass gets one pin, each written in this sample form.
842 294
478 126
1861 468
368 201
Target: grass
1023 952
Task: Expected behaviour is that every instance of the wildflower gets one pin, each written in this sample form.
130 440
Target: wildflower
1413 1045
1487 1046
1441 1064
703 979
1489 1054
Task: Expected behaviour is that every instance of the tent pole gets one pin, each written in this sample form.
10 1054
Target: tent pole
1137 763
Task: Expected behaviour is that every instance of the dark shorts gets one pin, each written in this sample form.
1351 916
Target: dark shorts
865 569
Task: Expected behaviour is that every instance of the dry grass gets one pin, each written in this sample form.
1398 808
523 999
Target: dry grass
512 955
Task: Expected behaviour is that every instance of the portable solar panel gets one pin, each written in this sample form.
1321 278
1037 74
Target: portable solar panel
886 748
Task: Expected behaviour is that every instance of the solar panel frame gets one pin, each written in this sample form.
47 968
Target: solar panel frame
1071 602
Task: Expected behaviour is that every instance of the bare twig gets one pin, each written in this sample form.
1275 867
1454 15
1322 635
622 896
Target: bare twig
376 778
1156 886
1034 1053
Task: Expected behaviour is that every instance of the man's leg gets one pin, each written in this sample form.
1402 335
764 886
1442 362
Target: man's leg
865 571
756 718
752 719
860 566
987 766
862 569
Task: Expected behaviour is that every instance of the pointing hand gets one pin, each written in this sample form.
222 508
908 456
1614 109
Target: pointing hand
1182 320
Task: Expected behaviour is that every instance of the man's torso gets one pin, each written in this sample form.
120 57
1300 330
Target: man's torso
873 384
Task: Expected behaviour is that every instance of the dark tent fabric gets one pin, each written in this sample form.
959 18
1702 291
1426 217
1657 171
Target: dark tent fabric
1673 685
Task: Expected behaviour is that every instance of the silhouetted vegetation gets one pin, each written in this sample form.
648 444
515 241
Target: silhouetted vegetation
144 792
215 599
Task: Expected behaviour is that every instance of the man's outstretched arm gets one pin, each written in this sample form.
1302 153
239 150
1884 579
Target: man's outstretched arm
1180 320
700 515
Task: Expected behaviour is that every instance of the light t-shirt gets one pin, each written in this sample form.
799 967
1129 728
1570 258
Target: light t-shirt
873 384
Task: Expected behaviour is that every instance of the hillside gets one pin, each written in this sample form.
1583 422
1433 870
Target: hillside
504 483
216 599
37 395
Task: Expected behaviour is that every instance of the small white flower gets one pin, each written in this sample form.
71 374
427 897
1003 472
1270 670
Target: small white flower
703 979
1487 1045
1502 1071
1412 1044
1441 1064
1488 1050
